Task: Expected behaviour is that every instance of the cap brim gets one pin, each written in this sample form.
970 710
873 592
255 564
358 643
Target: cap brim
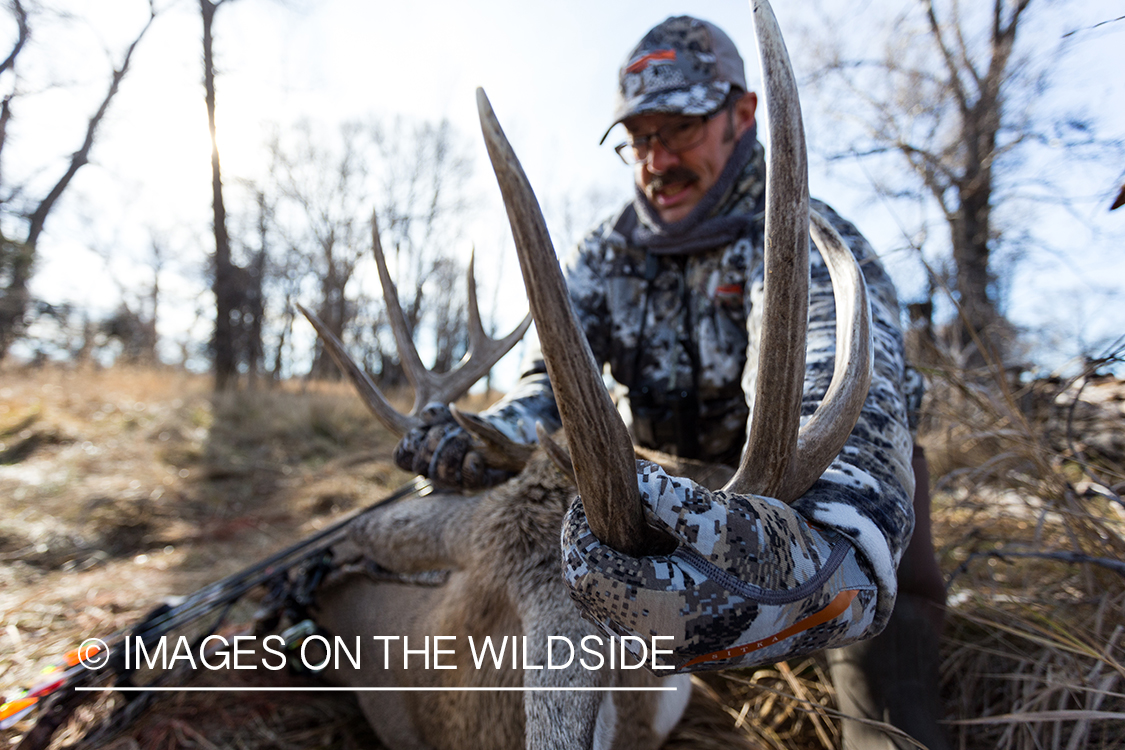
700 99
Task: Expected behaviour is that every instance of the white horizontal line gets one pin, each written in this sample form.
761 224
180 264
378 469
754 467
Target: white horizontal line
375 689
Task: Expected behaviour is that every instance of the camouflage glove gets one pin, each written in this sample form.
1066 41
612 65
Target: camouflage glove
443 451
752 581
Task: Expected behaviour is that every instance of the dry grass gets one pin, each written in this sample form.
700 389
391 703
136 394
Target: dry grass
121 487
1030 529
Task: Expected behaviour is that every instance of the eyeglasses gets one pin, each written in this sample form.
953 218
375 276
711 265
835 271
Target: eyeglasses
675 138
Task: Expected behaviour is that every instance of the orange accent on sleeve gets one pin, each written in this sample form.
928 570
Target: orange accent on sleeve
642 62
835 608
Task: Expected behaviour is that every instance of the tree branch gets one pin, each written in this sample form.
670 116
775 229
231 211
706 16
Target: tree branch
21 39
1003 39
1117 566
962 47
951 65
39 216
1090 28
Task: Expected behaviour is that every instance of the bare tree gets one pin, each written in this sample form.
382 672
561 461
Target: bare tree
286 270
133 324
958 97
571 213
238 289
323 201
18 251
254 301
424 168
448 312
222 284
414 176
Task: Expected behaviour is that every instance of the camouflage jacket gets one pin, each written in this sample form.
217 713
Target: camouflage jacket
679 333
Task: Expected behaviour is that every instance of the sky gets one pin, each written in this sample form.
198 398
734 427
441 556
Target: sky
549 70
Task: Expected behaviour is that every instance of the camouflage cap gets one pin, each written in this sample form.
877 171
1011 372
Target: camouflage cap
682 66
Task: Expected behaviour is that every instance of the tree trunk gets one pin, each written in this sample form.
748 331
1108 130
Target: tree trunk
256 297
333 310
17 258
222 342
15 271
971 227
970 232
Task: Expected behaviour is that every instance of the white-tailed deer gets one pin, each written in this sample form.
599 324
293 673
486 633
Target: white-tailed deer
500 548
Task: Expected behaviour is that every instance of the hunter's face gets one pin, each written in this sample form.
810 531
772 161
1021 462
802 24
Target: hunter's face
675 176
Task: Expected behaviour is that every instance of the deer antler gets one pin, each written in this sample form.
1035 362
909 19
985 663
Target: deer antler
392 419
777 461
781 460
772 438
600 448
823 436
429 386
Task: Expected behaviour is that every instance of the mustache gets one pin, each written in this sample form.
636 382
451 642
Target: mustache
676 174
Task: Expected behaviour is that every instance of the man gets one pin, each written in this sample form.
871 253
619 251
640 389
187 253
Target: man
665 292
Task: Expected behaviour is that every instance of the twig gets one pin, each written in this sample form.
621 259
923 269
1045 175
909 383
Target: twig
803 695
1090 28
1117 566
1030 716
1095 698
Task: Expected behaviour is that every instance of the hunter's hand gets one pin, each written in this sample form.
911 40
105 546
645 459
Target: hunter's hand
442 451
751 582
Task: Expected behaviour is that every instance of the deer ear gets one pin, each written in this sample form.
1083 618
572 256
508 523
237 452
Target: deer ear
558 454
499 451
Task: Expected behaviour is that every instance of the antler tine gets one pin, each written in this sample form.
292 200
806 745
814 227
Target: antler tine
499 450
483 353
476 329
781 460
392 419
412 365
772 441
824 435
600 447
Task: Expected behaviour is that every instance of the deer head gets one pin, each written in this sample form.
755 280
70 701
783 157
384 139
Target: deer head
781 459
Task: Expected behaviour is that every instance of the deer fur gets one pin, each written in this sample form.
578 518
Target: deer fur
501 548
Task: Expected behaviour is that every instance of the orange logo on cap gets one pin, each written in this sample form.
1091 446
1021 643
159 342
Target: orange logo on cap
642 62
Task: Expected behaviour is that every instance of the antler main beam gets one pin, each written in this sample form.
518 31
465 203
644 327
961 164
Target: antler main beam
600 447
392 419
823 436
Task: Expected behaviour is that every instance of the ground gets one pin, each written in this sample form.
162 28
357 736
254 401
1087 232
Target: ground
120 488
